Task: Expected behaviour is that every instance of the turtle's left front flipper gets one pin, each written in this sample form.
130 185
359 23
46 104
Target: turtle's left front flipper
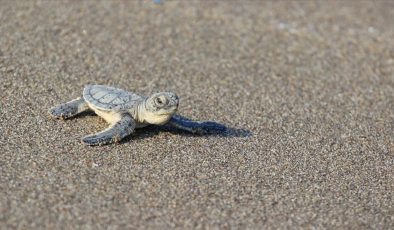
69 109
116 132
196 127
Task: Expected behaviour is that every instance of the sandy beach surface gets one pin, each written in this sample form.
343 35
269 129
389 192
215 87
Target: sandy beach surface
306 88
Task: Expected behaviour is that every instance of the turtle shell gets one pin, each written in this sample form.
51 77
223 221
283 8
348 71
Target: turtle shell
110 98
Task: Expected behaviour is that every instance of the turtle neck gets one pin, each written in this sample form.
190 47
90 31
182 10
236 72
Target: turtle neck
138 112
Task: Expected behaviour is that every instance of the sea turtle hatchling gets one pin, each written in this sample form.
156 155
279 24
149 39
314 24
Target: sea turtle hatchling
126 111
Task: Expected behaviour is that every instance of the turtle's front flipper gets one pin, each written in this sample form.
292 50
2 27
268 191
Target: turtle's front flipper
120 129
69 109
196 127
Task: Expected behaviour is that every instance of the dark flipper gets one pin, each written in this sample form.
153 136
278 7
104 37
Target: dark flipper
116 132
196 127
69 109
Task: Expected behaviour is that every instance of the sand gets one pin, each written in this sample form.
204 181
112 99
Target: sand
307 87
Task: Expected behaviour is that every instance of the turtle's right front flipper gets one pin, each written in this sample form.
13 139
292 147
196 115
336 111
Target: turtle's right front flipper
119 130
69 109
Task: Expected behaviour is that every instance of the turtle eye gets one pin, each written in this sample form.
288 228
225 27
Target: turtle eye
160 101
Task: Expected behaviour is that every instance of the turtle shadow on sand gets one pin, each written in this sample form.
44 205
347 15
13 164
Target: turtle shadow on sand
213 129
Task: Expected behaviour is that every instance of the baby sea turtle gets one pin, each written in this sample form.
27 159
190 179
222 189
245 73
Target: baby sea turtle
126 111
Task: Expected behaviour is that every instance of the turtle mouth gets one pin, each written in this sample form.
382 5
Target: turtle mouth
169 111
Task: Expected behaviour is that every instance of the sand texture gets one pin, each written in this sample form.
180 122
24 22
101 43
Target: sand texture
307 89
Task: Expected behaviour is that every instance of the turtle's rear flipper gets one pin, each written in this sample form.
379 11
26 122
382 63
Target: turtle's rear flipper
69 109
122 128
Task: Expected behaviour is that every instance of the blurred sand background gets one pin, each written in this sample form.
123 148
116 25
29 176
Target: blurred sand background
312 81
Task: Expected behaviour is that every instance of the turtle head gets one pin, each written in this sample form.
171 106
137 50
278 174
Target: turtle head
160 107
